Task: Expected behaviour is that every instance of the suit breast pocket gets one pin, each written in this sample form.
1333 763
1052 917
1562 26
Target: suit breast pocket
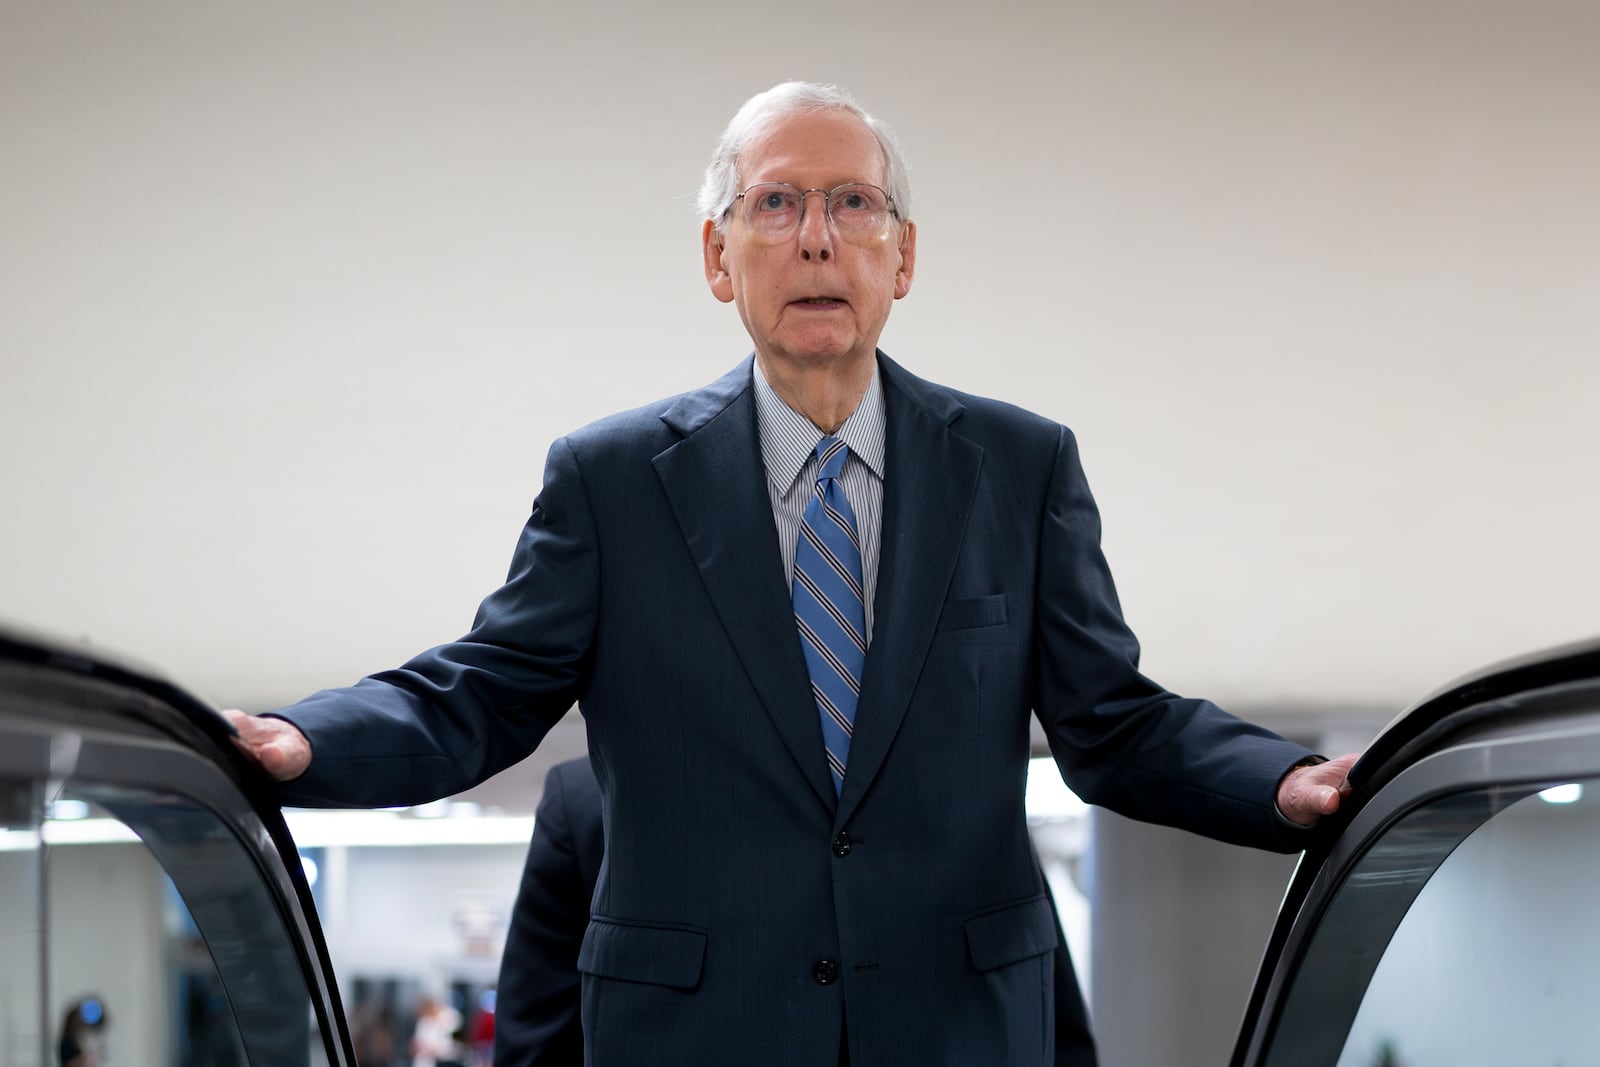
972 612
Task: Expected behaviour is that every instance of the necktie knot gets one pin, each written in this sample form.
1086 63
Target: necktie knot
831 454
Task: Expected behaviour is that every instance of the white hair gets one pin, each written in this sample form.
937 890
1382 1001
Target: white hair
721 182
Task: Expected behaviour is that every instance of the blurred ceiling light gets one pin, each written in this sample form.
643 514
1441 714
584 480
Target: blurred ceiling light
1562 794
310 829
19 840
355 829
87 832
68 810
434 809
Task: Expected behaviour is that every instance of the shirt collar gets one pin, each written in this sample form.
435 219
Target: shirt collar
788 438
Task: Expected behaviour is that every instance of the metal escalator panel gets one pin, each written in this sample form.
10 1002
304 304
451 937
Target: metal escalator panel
169 921
1451 919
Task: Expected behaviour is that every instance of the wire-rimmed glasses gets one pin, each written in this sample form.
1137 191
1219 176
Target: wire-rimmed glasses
858 211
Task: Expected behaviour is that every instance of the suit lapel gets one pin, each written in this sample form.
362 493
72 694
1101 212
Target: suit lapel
716 483
929 481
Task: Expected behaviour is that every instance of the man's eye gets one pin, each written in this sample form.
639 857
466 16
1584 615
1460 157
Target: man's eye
773 202
854 202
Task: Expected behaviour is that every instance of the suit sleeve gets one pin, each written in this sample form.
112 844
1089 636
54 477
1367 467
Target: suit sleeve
1121 740
537 1017
459 713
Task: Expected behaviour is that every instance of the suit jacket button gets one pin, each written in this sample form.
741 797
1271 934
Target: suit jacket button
825 972
841 844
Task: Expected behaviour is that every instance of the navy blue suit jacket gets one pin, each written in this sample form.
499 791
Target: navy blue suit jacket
747 914
538 1020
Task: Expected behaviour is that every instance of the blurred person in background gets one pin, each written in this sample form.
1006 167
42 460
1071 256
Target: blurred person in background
83 1031
481 1038
436 1042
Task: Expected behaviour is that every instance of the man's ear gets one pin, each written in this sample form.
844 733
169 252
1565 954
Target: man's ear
908 260
716 274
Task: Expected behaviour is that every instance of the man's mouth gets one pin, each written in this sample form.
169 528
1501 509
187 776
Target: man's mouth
819 301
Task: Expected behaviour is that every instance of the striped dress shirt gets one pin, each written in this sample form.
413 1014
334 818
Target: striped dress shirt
788 449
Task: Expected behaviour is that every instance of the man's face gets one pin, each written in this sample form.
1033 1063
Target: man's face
813 297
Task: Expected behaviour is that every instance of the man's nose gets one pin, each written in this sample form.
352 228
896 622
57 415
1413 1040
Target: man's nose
816 235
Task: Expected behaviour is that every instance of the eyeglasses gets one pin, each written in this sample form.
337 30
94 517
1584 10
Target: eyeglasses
858 211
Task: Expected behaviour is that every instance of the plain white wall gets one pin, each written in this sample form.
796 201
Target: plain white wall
1178 928
294 299
400 911
20 949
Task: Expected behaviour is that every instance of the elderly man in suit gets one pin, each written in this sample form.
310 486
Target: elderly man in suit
807 612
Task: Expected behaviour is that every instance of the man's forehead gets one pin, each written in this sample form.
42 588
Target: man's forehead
832 145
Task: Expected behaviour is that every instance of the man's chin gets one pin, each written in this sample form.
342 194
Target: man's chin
808 354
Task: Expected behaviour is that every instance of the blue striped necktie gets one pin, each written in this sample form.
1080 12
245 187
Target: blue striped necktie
829 608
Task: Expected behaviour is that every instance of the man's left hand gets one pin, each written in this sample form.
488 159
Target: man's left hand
1308 793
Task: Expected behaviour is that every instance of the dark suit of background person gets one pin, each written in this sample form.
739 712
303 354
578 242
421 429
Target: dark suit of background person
747 912
537 1002
537 1016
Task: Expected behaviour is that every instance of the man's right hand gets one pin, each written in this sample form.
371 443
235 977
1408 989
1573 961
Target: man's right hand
276 744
